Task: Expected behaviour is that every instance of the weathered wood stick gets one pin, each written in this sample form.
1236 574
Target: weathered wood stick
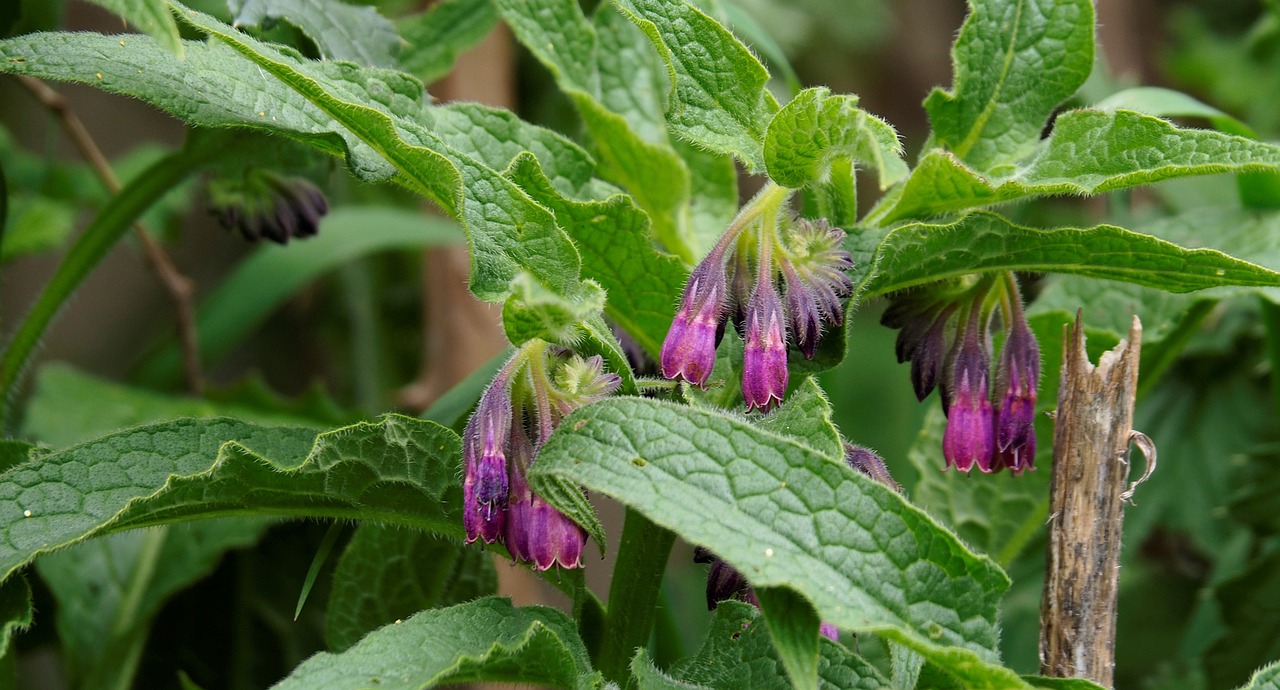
1092 433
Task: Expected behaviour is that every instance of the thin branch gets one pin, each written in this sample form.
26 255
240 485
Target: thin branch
179 287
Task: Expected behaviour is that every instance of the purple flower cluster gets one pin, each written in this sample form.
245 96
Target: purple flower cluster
949 347
808 265
527 400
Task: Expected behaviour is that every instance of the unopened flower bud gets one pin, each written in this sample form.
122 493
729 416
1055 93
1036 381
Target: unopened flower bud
485 483
764 359
689 350
970 436
870 463
1017 376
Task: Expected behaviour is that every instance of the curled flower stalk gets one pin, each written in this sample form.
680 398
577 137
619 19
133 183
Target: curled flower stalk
778 280
530 396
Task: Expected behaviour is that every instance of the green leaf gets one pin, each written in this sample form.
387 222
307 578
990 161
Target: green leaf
817 129
793 627
387 574
737 654
532 311
1015 61
150 17
398 470
610 75
505 227
1043 683
273 273
786 516
434 39
806 417
717 97
35 224
340 31
613 239
484 640
1266 678
109 590
1161 102
15 611
1089 152
919 253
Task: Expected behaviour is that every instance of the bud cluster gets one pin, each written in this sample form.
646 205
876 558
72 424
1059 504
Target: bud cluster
266 205
773 283
947 340
536 389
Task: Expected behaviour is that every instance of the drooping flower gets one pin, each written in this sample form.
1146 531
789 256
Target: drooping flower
689 350
263 204
533 393
725 583
764 358
1017 377
969 438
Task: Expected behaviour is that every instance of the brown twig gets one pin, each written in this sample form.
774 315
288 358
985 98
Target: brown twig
1092 432
179 287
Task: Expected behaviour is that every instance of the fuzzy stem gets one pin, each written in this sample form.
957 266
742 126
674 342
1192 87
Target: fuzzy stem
633 594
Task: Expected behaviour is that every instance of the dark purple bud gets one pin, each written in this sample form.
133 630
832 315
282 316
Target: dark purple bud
802 309
739 294
485 484
870 463
1017 376
970 434
723 582
927 359
689 350
764 360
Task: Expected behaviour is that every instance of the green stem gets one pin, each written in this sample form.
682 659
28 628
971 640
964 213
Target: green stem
110 224
633 594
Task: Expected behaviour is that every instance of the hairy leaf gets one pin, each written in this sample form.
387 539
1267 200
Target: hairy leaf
816 129
340 31
399 470
737 653
1015 61
387 574
919 253
717 98
786 516
1089 152
806 417
484 640
1266 678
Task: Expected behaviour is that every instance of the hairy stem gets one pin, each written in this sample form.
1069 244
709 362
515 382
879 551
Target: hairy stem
633 594
179 287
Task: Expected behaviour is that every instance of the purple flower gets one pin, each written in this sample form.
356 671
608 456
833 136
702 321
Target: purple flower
484 442
689 350
802 308
970 436
764 360
870 463
1018 375
724 583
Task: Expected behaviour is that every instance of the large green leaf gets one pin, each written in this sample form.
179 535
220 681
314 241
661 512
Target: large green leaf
108 590
717 98
1015 61
485 640
612 81
737 654
787 516
399 470
919 253
340 31
816 129
150 17
273 273
1089 152
433 39
617 252
388 574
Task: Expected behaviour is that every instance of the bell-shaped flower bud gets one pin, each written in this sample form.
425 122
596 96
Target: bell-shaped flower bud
870 463
970 435
264 204
689 350
485 484
820 262
725 583
764 359
803 311
1017 377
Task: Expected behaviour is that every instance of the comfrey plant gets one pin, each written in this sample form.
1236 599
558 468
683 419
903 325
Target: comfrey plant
623 222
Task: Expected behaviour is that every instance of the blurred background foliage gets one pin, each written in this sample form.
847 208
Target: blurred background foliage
1200 601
